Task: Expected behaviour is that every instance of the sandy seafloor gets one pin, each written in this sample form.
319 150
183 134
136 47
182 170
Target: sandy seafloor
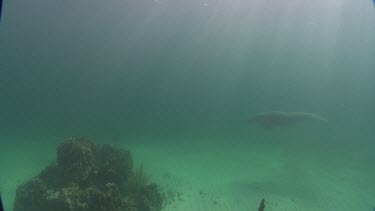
293 169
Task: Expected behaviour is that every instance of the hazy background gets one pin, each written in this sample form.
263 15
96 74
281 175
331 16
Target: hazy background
183 69
83 65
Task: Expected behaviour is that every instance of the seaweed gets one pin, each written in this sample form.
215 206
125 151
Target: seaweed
138 180
146 194
1 204
262 205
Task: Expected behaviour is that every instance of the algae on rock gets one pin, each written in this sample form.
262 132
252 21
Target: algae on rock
89 177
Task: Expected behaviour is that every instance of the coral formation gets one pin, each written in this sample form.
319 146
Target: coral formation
88 177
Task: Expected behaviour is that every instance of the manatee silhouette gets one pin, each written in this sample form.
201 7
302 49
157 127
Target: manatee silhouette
279 118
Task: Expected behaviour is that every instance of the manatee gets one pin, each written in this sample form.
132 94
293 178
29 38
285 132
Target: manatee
279 118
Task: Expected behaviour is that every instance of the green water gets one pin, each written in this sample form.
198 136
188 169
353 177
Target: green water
175 82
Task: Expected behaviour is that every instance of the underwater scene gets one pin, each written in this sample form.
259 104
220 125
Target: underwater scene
199 105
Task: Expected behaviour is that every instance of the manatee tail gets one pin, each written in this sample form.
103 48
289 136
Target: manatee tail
304 115
318 117
322 119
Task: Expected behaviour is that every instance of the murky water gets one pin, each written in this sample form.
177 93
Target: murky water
175 82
